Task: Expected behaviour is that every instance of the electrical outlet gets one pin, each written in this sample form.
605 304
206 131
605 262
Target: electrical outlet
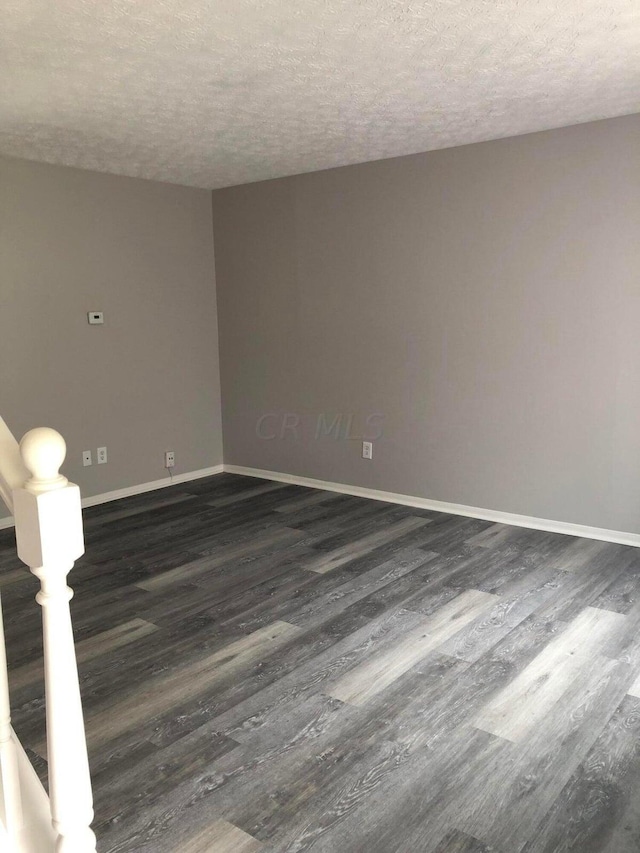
86 458
169 459
367 450
101 455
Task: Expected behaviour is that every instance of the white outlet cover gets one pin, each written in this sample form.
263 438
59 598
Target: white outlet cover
101 455
86 458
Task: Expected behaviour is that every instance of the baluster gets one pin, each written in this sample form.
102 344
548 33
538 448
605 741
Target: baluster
8 754
49 536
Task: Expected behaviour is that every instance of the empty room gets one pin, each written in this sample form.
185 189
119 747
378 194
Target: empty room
320 426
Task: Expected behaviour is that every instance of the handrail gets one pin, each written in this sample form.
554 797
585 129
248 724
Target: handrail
13 473
12 476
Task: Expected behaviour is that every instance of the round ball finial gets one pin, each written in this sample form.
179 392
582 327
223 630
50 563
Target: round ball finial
43 451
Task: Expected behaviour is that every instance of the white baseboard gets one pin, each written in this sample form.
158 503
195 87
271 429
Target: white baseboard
140 489
617 536
129 491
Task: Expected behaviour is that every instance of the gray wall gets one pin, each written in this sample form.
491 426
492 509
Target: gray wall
147 381
484 299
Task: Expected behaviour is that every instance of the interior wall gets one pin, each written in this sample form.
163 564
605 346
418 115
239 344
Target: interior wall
483 301
146 381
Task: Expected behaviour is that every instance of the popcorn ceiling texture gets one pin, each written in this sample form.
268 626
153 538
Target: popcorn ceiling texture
219 92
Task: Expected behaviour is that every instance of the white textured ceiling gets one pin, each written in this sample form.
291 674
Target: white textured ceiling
221 92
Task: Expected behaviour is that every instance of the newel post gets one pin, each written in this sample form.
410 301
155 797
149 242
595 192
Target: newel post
49 537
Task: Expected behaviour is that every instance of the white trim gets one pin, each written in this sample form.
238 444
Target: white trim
601 533
129 491
140 489
617 536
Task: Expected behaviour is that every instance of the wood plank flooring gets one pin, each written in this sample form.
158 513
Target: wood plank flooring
272 669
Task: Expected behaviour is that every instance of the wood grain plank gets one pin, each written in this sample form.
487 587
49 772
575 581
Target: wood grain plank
580 554
527 700
460 842
634 690
517 601
530 776
206 564
368 679
98 644
161 693
310 498
323 605
258 710
14 576
478 785
497 536
264 489
591 809
151 775
353 550
221 837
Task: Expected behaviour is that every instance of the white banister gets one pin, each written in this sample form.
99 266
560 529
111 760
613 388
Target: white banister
49 537
12 471
9 771
12 475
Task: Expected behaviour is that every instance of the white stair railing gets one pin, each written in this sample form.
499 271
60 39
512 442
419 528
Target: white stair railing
13 474
9 768
49 536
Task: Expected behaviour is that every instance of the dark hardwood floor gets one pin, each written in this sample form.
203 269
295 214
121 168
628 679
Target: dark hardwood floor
271 668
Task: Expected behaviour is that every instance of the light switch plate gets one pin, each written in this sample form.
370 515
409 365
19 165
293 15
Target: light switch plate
96 318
